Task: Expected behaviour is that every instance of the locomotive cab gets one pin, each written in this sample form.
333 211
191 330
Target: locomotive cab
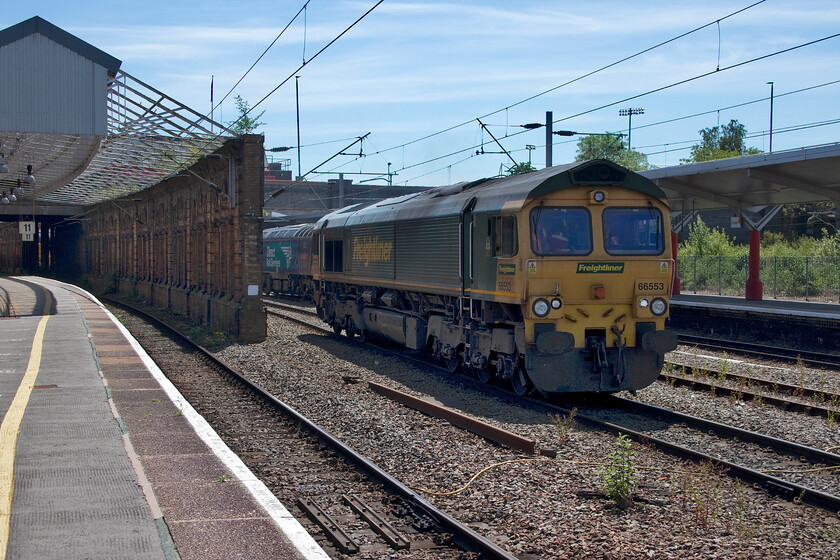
599 276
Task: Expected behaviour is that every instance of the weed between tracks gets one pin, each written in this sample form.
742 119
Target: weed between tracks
724 365
701 493
619 476
564 425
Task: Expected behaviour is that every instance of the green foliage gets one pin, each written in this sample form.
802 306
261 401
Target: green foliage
777 245
816 220
245 124
719 142
702 153
520 168
564 424
618 478
705 242
804 266
610 147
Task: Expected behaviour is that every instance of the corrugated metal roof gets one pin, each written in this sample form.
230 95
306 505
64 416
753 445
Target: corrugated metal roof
147 135
150 137
43 27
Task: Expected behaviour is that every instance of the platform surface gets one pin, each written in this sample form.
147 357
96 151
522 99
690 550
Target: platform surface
100 457
770 306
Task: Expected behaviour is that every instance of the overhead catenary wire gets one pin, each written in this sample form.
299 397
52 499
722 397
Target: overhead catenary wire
239 81
577 79
210 140
313 57
648 92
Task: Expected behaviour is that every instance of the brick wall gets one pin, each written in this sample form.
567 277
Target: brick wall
191 244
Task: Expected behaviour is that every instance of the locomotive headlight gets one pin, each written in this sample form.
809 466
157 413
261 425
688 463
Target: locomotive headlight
556 303
643 303
599 197
658 306
540 307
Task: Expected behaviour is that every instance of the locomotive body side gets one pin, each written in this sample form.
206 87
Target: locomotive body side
287 264
557 279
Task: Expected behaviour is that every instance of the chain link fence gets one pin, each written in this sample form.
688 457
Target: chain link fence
808 278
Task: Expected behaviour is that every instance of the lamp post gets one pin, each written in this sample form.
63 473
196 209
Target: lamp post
771 116
629 114
297 109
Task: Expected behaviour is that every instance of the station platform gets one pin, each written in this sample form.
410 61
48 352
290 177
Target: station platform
770 306
798 325
100 457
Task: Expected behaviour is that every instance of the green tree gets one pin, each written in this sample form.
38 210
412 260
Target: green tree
719 142
520 168
705 242
245 124
610 147
808 219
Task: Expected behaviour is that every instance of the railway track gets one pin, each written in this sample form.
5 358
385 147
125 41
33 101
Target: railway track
787 396
781 467
796 398
349 504
763 351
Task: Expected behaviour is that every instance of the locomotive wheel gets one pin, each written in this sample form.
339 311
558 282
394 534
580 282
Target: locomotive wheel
336 328
453 364
350 331
520 383
485 375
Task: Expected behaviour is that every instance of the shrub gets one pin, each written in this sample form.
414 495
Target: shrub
618 478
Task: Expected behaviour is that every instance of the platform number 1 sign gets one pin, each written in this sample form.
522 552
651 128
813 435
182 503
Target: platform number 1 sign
27 231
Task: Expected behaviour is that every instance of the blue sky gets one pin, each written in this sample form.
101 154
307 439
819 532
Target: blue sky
410 70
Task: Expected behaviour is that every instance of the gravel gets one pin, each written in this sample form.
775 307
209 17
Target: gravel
536 507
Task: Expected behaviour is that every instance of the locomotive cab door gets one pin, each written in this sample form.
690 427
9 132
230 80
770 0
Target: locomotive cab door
467 248
481 283
494 244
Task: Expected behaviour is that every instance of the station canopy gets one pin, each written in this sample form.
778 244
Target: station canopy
137 138
804 175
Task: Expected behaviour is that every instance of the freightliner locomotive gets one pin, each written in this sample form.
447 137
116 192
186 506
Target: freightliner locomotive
557 280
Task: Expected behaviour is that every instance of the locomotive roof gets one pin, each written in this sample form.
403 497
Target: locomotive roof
509 193
298 230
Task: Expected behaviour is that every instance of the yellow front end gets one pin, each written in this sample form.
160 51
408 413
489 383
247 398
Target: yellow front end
597 294
598 285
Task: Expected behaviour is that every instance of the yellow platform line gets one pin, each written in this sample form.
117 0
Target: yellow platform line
11 426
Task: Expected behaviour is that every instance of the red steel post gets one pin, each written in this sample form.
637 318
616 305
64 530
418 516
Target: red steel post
755 287
674 243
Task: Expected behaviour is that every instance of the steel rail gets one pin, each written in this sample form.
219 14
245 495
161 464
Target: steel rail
813 358
772 484
463 536
743 393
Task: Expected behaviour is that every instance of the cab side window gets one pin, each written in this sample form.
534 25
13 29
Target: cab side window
503 236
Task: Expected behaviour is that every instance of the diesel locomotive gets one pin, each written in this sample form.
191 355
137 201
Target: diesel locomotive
557 280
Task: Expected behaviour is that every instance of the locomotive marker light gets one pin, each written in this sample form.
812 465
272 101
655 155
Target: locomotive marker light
658 307
541 307
643 303
556 303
